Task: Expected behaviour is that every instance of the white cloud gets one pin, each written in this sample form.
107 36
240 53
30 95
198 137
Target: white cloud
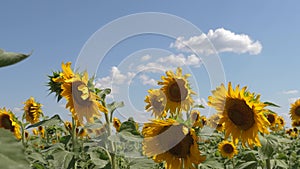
17 110
290 92
145 58
222 40
181 60
115 78
147 80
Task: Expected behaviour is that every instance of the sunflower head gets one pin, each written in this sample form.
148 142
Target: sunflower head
177 91
9 121
296 123
172 142
81 100
117 124
295 110
32 111
214 122
272 119
241 113
227 149
196 118
156 102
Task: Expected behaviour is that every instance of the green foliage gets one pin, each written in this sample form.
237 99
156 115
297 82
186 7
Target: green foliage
12 154
55 120
9 58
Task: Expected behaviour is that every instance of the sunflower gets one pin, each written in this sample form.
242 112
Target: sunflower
196 118
227 149
296 123
241 112
172 142
82 102
9 121
177 91
272 119
295 110
156 103
280 122
214 122
117 124
32 111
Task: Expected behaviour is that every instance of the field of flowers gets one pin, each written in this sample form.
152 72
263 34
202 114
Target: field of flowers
244 133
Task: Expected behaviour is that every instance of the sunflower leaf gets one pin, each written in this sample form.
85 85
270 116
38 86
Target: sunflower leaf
9 58
48 122
138 163
271 104
247 165
102 93
11 152
114 105
199 106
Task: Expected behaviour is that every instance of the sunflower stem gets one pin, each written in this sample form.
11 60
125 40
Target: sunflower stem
268 162
108 122
74 141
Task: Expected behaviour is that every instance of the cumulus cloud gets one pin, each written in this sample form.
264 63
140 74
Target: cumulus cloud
115 78
290 92
146 80
222 40
181 60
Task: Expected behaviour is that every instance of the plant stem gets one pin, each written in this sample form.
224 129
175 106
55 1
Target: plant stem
74 141
112 147
268 162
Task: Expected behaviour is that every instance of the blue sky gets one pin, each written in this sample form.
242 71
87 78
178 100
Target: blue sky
58 30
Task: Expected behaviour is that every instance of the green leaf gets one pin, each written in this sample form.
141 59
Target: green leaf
48 122
96 160
12 154
35 156
9 58
103 93
248 165
280 163
114 105
129 126
130 137
138 163
62 158
271 104
199 106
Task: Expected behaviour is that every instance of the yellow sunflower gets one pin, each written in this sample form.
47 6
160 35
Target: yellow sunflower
196 118
117 124
272 119
227 149
32 111
214 122
9 121
177 91
280 122
172 142
241 112
81 101
295 110
296 123
156 103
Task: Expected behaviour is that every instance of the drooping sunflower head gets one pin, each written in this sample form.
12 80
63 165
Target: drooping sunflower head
295 110
156 102
241 112
81 101
172 142
227 149
9 121
177 91
32 111
117 124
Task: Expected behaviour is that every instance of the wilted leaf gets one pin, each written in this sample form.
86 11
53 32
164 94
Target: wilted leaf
9 58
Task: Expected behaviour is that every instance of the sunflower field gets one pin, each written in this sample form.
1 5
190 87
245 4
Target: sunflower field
244 133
